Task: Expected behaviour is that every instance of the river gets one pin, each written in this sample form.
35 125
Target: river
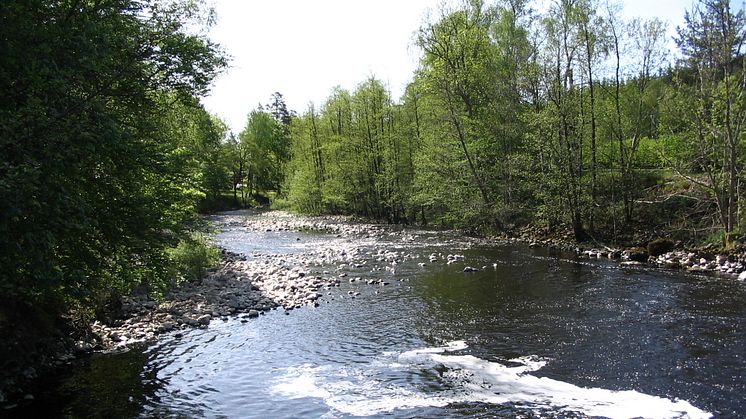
532 333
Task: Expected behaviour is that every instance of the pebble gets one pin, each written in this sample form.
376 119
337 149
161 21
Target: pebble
248 285
679 259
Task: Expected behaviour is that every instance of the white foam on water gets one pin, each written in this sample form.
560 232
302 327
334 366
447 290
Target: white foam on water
359 390
351 391
299 383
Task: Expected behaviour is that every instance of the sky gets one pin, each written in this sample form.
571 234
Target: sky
304 48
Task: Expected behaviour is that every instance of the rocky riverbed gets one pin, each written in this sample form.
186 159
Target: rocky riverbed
249 285
731 264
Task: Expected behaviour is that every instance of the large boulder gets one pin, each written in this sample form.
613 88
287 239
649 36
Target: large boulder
660 246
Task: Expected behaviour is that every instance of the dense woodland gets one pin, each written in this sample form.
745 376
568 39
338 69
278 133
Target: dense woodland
106 150
571 118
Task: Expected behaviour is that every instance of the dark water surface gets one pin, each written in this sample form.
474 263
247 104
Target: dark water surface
535 334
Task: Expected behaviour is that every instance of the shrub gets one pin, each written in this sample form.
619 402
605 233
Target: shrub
192 257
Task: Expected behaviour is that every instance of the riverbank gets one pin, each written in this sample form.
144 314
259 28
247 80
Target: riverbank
237 287
249 285
653 251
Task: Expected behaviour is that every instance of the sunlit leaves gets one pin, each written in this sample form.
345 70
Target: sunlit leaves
98 173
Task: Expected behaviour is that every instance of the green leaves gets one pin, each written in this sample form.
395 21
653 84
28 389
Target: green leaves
265 147
713 85
94 185
192 257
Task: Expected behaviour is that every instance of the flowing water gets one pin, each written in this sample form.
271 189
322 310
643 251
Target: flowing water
535 333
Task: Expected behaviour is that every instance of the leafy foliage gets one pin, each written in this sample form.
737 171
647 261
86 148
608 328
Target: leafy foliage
192 257
562 119
264 150
97 177
569 118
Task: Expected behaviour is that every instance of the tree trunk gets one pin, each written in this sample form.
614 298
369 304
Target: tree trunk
589 68
462 141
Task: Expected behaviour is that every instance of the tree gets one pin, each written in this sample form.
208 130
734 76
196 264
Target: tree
510 119
199 139
515 55
457 65
305 175
560 122
279 110
648 38
235 160
712 42
92 189
266 146
591 28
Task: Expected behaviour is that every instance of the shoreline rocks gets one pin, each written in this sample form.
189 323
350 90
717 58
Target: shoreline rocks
253 284
658 252
236 287
693 261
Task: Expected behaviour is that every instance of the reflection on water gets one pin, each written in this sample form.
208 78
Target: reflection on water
533 333
112 385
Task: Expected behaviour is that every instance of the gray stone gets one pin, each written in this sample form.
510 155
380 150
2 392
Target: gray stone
29 372
204 319
167 326
83 347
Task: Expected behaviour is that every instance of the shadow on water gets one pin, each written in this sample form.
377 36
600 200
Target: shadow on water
104 385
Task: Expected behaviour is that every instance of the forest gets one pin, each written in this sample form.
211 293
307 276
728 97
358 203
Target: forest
569 119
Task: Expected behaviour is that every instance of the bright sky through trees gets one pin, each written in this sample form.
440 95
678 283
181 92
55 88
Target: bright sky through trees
304 48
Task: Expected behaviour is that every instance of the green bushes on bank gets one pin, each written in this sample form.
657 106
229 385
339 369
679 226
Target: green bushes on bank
105 150
192 257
